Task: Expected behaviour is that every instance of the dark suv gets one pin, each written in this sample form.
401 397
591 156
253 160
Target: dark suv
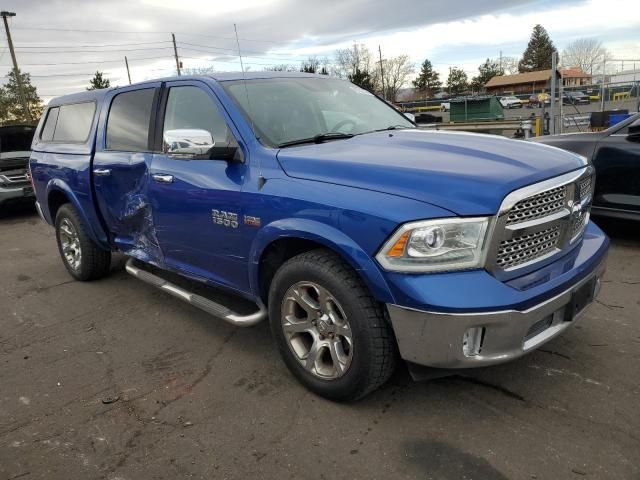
575 98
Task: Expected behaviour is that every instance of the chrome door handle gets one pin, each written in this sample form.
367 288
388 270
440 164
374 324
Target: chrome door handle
162 178
102 172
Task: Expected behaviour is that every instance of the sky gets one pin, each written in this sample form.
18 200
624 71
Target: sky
61 43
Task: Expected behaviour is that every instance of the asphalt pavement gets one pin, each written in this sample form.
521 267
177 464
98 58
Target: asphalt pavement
116 380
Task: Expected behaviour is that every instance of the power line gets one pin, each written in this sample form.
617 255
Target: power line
88 63
40 52
95 45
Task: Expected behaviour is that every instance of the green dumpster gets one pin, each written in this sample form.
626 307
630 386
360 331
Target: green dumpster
475 108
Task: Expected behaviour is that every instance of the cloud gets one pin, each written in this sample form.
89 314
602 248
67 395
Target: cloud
449 32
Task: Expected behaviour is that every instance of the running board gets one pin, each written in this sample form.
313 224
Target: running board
198 301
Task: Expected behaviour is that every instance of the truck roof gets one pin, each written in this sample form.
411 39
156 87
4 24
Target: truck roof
97 95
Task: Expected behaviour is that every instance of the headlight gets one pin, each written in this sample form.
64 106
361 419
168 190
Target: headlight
436 245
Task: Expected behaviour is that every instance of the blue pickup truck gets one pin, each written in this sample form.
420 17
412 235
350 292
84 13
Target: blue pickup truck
361 238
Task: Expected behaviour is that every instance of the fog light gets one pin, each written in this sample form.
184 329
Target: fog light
472 341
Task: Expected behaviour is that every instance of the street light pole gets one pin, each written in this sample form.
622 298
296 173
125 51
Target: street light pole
16 71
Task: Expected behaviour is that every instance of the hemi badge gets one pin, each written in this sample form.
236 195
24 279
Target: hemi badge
252 221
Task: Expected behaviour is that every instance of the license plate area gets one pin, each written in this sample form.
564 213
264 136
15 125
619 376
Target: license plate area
580 298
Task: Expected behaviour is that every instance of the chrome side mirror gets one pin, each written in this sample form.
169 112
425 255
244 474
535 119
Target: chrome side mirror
187 142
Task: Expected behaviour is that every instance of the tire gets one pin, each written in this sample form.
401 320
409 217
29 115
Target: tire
361 352
84 259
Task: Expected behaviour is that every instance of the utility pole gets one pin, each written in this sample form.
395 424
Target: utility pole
604 78
126 62
384 91
175 53
552 106
500 60
16 71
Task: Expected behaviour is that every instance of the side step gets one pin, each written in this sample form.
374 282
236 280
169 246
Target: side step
198 301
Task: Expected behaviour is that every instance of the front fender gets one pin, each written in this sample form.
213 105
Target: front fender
326 235
94 230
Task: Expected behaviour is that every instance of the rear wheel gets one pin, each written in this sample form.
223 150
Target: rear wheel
83 259
331 333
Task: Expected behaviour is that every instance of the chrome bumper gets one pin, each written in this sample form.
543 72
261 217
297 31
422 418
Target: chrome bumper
40 214
463 340
12 193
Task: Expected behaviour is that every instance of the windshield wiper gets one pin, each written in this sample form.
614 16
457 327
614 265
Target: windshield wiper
321 137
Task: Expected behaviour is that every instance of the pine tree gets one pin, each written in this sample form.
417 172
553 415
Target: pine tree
12 110
486 71
98 81
537 56
457 82
428 79
362 78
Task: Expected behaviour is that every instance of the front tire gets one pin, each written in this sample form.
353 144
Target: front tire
330 331
82 258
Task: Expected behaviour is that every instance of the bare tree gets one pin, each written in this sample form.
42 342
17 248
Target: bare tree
587 53
397 71
509 65
284 67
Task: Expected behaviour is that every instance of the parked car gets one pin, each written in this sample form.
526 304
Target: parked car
360 237
575 98
15 149
615 154
538 100
510 102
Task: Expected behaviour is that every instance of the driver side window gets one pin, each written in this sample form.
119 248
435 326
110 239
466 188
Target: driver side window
192 123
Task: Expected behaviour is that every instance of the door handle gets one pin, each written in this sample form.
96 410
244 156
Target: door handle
162 178
102 172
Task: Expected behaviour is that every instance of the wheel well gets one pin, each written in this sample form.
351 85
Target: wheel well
56 200
275 255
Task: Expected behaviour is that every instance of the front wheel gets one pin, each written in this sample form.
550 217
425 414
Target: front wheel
330 332
83 259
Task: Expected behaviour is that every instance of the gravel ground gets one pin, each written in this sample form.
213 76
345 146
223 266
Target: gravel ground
116 380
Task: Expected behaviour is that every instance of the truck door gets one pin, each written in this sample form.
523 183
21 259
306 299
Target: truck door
195 193
120 169
617 162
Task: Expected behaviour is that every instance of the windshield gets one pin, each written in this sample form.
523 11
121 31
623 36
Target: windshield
285 110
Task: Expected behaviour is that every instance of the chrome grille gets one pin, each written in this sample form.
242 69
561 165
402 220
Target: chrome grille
585 188
538 206
540 220
525 248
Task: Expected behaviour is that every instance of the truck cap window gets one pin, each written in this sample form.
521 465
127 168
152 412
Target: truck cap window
69 123
284 110
128 123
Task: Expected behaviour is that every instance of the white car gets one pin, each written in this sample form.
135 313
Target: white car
510 102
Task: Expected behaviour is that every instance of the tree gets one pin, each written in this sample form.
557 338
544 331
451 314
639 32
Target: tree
509 65
396 73
428 79
363 79
537 56
12 110
587 53
284 67
356 62
315 65
98 81
457 82
488 70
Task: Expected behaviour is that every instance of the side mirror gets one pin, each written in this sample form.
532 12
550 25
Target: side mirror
196 144
634 132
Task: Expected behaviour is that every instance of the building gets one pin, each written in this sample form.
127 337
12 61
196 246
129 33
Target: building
625 76
534 82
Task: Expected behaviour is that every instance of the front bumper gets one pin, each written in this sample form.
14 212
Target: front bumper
14 194
476 339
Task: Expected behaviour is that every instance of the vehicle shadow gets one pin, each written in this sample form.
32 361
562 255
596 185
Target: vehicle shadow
17 212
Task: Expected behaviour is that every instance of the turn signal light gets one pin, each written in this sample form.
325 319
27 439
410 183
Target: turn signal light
397 250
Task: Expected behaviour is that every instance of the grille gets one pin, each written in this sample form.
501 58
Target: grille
578 224
585 188
538 206
525 248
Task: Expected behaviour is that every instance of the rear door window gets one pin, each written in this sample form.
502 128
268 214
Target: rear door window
50 125
129 119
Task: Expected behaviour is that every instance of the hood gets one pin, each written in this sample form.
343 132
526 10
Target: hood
468 174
